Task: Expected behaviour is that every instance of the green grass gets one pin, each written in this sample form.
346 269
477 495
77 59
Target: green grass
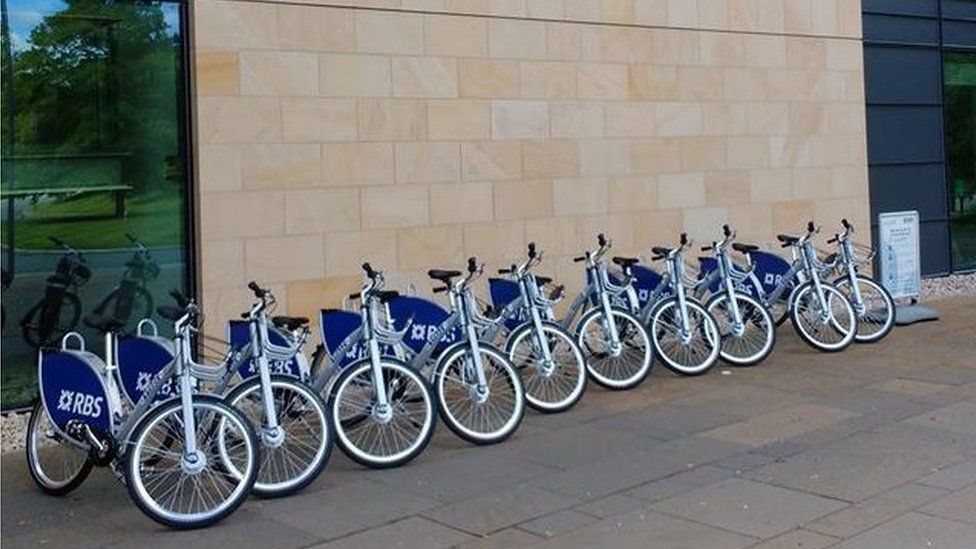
87 222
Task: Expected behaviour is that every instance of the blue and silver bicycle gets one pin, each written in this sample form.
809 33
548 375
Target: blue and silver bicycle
548 357
188 460
478 389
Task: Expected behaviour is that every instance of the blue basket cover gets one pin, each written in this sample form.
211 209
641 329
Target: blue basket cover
239 336
646 280
769 269
140 360
336 325
72 388
502 292
427 318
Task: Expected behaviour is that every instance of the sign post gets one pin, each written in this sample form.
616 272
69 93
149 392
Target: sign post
901 267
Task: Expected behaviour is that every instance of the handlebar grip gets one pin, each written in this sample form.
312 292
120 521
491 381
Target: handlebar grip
706 248
578 259
472 264
726 230
440 289
504 271
811 226
845 223
368 269
258 292
832 240
531 250
684 238
657 257
786 245
601 239
354 296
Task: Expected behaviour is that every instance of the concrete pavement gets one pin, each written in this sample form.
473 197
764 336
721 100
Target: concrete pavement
874 447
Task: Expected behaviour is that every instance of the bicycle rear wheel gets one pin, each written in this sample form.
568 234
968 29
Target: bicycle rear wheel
57 465
191 491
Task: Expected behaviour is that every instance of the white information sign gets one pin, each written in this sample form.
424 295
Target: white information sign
899 249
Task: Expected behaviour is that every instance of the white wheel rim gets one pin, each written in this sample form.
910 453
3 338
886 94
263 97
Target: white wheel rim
733 346
509 391
637 353
570 366
296 458
418 440
42 427
872 312
807 319
668 344
175 494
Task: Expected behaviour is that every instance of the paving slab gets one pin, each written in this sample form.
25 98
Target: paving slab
346 509
558 523
409 532
504 539
960 417
910 387
679 483
960 506
647 529
953 477
577 445
494 511
744 400
860 467
749 507
779 424
867 514
797 539
614 504
915 530
667 421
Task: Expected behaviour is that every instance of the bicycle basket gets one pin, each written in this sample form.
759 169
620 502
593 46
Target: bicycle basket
863 254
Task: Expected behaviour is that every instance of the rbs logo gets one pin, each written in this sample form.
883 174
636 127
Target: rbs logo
80 403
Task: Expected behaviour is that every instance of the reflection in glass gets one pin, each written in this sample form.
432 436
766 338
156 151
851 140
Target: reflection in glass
93 203
960 116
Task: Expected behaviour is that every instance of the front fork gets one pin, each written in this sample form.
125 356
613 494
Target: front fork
738 326
610 324
382 411
857 299
474 347
271 432
547 362
193 460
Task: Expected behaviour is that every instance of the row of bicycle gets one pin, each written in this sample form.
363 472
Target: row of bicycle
191 440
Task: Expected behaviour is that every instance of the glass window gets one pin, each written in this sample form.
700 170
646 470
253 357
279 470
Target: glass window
94 180
960 117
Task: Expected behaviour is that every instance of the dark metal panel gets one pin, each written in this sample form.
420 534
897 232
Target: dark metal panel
890 28
904 134
959 34
903 7
959 9
909 187
900 75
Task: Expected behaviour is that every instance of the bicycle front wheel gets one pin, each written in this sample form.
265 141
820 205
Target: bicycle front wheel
748 341
875 312
556 385
296 453
183 490
829 329
373 435
688 348
57 464
619 365
479 414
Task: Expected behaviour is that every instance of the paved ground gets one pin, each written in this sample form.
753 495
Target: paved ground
874 447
